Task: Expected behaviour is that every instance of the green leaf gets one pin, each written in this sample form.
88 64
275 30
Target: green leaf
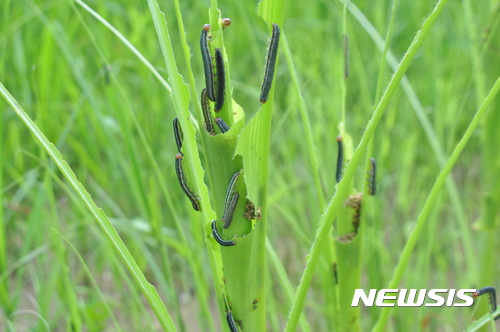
147 289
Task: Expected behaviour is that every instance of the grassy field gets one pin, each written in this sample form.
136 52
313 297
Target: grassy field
110 116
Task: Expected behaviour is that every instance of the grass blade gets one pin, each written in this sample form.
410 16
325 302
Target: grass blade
430 133
148 290
412 240
127 43
324 225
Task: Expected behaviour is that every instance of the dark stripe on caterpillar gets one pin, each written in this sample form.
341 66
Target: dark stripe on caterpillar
207 115
223 126
178 134
207 63
270 64
182 181
221 80
231 322
340 159
218 237
227 218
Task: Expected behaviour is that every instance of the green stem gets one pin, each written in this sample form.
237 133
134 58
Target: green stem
431 137
370 230
336 202
406 254
148 290
127 43
180 98
201 287
481 322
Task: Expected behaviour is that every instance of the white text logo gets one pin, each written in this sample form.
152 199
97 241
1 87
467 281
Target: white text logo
413 297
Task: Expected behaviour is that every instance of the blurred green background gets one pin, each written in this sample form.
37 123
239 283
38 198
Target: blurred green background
87 92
